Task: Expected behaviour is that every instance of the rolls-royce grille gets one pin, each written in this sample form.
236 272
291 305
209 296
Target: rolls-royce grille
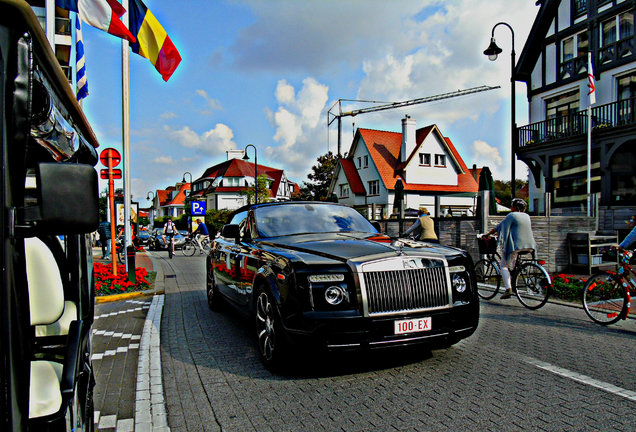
406 290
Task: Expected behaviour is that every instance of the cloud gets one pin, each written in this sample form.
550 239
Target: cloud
214 142
211 103
168 115
165 160
298 125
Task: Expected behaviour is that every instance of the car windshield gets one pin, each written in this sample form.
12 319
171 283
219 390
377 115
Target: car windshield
289 219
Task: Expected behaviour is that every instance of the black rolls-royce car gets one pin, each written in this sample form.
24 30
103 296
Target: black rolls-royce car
321 273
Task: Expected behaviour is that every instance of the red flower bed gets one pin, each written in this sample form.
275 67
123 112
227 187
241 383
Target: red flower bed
106 283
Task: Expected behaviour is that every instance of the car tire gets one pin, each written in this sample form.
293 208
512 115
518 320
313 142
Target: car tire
215 301
270 336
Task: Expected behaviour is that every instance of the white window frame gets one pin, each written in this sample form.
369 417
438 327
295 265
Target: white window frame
440 158
423 157
374 187
366 161
344 190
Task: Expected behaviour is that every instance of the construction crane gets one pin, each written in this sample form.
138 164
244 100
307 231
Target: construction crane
331 117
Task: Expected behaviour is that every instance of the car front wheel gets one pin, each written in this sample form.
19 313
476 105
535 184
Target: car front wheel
270 337
214 297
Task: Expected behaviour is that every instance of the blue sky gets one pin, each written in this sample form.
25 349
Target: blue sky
266 72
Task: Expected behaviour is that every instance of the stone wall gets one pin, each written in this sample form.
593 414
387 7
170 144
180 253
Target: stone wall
551 234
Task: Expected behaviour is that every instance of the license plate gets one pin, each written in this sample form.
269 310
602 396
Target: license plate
413 325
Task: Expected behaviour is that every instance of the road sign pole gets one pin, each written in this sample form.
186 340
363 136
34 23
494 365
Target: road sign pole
111 198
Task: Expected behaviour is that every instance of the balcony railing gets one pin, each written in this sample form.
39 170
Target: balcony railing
603 116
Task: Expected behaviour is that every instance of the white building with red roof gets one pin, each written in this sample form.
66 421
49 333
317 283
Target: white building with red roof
221 184
432 172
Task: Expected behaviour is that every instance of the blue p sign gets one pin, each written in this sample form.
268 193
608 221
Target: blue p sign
197 208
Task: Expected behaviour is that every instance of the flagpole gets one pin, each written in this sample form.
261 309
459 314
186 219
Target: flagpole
125 98
591 101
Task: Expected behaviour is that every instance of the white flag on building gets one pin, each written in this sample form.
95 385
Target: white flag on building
590 78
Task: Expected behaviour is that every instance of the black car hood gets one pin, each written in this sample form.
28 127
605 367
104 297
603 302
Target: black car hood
347 246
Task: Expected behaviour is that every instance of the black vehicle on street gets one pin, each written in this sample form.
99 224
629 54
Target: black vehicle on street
320 273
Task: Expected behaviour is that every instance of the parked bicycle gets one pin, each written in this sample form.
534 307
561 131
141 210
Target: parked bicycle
531 282
606 295
191 246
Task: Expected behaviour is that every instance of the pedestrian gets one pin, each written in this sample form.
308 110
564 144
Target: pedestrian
169 230
423 227
104 238
515 235
628 242
200 233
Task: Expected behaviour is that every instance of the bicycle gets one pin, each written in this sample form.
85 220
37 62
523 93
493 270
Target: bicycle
191 246
606 295
531 282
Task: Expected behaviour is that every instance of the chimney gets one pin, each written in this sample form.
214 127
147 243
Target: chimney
408 137
235 154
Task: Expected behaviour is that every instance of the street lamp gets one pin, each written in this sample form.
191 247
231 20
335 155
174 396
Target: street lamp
184 179
492 52
152 208
245 157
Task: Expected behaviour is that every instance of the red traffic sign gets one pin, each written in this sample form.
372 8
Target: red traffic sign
110 153
116 173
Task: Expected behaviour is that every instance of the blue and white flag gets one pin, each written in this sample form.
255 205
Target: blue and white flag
80 67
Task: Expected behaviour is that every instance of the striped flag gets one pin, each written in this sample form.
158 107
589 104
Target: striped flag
590 78
102 14
81 84
152 40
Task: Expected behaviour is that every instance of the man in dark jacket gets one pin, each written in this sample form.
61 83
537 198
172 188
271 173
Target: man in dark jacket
104 238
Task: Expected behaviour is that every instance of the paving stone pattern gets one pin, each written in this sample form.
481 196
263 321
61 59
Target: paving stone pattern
214 381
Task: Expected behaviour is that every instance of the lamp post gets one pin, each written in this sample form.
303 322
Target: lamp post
245 157
492 52
152 208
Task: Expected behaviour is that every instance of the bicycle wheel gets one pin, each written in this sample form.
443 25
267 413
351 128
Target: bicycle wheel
531 285
189 248
604 299
488 279
120 255
206 245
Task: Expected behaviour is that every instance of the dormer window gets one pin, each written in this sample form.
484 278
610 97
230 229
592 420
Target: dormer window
359 162
366 161
440 160
425 159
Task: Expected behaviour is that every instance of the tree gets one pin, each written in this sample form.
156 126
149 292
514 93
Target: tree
263 190
502 191
316 188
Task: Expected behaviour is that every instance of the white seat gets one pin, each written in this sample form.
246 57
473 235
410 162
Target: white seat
46 307
45 397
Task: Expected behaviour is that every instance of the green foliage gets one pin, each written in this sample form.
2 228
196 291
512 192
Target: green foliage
567 287
263 190
317 186
502 191
215 219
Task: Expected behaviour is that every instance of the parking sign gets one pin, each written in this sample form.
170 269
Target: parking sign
197 208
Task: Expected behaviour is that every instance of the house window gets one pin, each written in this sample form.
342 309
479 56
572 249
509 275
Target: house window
616 35
344 191
374 187
574 55
440 160
626 87
231 181
359 162
580 7
425 159
366 161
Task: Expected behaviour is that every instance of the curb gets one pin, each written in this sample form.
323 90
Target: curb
117 297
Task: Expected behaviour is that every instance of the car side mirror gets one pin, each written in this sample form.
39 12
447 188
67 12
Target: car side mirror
231 231
67 199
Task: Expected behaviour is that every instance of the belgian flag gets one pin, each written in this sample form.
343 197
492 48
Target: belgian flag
152 40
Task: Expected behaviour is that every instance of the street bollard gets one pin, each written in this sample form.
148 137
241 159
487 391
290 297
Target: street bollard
130 255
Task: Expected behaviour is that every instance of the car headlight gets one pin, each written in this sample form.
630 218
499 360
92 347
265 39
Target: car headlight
459 283
334 295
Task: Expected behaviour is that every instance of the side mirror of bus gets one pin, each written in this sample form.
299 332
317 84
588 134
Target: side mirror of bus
68 199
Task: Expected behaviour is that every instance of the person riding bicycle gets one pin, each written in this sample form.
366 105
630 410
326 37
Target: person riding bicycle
200 233
628 242
169 230
515 235
423 227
